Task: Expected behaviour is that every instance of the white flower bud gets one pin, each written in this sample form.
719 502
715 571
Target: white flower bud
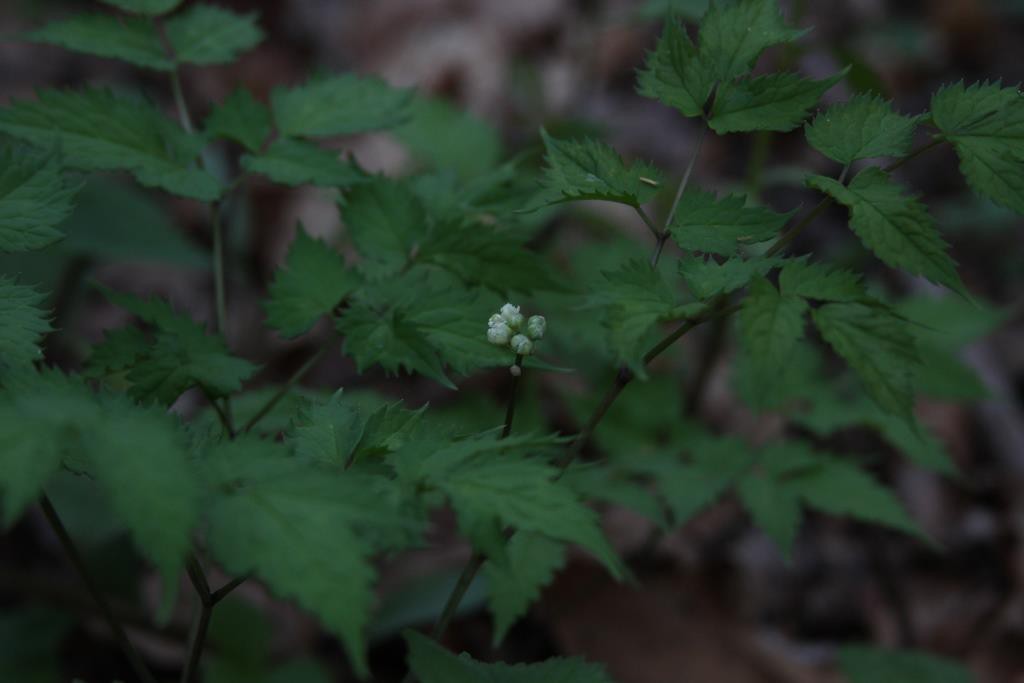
512 316
536 326
495 319
499 334
521 344
515 370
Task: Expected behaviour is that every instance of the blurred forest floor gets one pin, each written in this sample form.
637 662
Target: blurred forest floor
715 601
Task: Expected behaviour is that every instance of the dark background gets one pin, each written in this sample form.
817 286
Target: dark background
715 601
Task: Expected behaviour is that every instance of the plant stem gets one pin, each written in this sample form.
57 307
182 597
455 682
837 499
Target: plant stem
686 177
510 412
225 590
477 559
647 221
141 670
287 387
202 624
179 102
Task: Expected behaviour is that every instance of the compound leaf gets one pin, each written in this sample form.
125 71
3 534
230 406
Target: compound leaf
386 220
896 227
866 126
531 560
240 118
339 105
312 282
22 324
588 169
733 35
800 277
328 431
180 356
635 297
675 72
34 200
707 278
206 34
296 162
878 347
97 130
771 324
705 223
776 102
308 532
130 39
985 123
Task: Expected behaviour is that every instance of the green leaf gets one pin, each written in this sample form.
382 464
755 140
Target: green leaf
387 429
327 432
707 278
792 473
864 127
715 465
803 278
150 7
878 347
945 326
34 200
22 325
588 169
444 137
840 488
339 105
771 324
386 220
896 227
312 282
720 226
130 39
775 509
494 484
207 34
733 35
49 418
675 73
153 489
985 123
393 230
97 130
826 414
307 532
433 664
531 560
240 118
635 298
490 256
866 664
181 355
776 102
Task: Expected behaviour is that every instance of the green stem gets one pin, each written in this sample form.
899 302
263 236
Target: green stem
666 231
179 102
218 268
647 221
286 388
477 559
141 670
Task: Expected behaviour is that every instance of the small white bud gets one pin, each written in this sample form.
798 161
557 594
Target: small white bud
512 316
521 344
499 334
495 319
515 370
536 326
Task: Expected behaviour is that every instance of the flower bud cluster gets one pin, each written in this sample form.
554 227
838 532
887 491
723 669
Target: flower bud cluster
508 327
